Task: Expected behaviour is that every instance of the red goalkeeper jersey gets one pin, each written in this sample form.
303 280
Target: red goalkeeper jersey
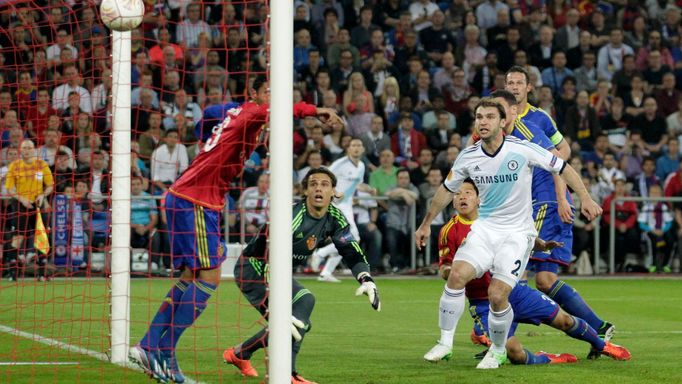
222 158
451 236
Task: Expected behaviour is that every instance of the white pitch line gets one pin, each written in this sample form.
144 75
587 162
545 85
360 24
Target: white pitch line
73 348
39 363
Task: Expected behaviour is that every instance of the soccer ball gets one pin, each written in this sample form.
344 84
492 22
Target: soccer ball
122 15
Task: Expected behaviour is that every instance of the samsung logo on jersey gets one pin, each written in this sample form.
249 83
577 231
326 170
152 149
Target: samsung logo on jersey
496 179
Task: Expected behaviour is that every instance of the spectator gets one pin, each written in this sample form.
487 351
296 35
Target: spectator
622 78
26 92
422 11
609 172
611 56
667 163
655 221
163 35
29 181
627 238
63 171
61 93
366 216
447 158
442 78
647 178
9 123
51 145
634 99
574 56
182 104
306 75
425 161
601 99
151 138
302 48
484 79
146 83
407 142
615 125
471 53
384 177
423 93
341 74
101 93
497 35
360 34
411 49
599 30
653 73
506 49
143 215
555 75
457 95
542 52
140 114
16 136
633 154
582 124
439 136
388 102
437 39
168 161
486 13
430 117
357 99
652 126
401 198
637 36
254 202
667 97
313 160
63 42
375 141
586 75
381 70
664 57
38 114
342 44
674 121
90 143
187 32
331 142
568 36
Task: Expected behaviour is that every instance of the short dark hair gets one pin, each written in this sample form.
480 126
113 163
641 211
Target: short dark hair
506 95
490 103
172 130
316 171
469 180
259 81
401 170
518 69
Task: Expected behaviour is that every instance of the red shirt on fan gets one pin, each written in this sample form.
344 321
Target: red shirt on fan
222 158
451 237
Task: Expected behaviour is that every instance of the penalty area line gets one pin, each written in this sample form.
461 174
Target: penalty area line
5 363
68 347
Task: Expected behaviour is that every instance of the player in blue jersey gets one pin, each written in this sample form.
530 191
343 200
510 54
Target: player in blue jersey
553 215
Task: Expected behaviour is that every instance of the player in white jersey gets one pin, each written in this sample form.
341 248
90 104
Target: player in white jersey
350 173
501 239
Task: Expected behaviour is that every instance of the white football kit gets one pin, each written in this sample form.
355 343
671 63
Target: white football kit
348 177
503 236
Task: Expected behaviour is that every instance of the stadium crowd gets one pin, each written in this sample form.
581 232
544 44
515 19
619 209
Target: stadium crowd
405 74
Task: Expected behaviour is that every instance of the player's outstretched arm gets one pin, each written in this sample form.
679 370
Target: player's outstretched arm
328 116
589 207
367 287
440 200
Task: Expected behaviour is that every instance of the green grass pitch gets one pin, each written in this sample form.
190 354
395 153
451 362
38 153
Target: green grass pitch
349 342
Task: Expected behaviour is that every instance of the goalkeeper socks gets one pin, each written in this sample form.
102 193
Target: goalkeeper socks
582 331
532 358
450 310
571 301
190 307
251 345
327 250
163 316
499 324
331 264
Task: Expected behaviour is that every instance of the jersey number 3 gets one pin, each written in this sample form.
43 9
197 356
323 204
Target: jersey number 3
218 129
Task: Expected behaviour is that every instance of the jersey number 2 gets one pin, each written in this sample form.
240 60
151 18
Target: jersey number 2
218 129
515 271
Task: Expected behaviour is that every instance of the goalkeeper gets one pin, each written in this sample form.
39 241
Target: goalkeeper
314 220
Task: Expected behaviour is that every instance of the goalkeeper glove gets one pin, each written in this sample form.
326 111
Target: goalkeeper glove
368 288
296 324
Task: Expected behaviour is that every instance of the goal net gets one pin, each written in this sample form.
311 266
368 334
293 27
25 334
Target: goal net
56 95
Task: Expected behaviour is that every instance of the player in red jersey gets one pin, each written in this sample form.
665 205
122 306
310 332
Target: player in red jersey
530 305
193 210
